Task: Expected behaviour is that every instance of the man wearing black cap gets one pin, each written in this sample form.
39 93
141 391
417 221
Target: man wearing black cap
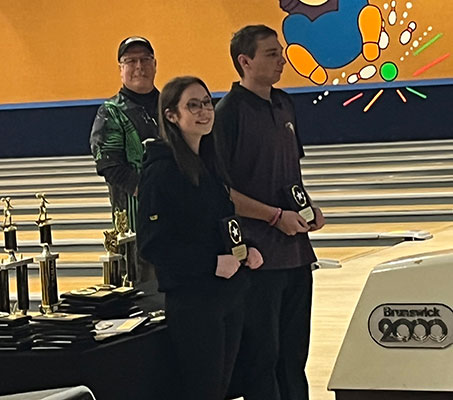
123 122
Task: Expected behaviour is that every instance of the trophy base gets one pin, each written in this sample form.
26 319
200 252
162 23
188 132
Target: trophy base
48 310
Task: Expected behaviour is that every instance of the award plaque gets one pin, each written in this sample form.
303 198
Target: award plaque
232 236
47 260
299 201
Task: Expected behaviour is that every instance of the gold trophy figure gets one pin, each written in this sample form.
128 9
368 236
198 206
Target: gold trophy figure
126 247
111 260
43 221
21 265
47 260
9 229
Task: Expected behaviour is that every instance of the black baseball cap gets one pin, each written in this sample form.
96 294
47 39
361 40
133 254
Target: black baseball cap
134 40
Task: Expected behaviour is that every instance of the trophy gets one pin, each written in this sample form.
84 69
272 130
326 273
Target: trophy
126 246
232 237
47 260
21 265
298 200
111 261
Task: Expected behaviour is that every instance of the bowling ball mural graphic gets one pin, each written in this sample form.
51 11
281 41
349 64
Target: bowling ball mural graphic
331 34
331 37
370 39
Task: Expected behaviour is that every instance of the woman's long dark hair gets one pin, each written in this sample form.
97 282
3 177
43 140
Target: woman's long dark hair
188 162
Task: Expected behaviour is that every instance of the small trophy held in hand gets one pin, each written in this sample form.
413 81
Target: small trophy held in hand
232 237
299 202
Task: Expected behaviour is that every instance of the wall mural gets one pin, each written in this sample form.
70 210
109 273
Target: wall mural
324 36
49 54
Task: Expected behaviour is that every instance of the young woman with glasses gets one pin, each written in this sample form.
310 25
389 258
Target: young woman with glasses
181 206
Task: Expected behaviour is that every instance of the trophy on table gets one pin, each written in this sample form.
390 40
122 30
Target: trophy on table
21 265
299 201
111 269
126 247
47 260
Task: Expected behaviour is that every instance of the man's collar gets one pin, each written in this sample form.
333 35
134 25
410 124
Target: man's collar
275 100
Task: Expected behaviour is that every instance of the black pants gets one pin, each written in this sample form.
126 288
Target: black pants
205 328
274 347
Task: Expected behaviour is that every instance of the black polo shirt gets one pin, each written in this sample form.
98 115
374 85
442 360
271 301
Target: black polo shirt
257 143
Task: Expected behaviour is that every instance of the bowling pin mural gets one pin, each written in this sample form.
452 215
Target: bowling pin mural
365 73
384 39
392 17
330 34
406 35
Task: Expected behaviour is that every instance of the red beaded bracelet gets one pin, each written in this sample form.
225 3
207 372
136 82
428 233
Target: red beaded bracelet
276 217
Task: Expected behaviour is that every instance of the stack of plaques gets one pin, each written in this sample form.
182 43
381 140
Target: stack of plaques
60 331
15 332
102 302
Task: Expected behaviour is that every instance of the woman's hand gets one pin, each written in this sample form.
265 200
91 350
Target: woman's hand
254 258
227 266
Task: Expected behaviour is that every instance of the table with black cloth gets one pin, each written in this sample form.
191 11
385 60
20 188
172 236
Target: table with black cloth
140 365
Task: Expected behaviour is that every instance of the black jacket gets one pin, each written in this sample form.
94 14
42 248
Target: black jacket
120 126
178 223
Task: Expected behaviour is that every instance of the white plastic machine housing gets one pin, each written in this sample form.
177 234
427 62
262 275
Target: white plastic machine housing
409 284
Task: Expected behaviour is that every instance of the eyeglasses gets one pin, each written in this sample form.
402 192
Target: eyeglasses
195 106
133 61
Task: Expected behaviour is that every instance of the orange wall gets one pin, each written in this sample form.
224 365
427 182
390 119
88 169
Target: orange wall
66 49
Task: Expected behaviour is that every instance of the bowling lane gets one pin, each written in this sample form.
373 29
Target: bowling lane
73 257
431 226
319 181
68 187
386 148
26 180
396 207
77 234
343 254
380 193
59 217
76 199
65 283
387 167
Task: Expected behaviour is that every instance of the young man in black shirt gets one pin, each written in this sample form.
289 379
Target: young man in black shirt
256 138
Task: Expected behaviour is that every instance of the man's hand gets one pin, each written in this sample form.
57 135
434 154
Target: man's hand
319 221
291 223
254 258
227 266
